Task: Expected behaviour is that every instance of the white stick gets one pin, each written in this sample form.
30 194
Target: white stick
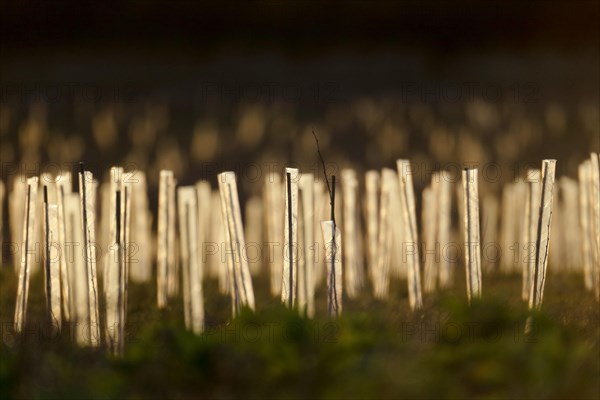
333 259
352 237
253 226
113 267
570 235
52 264
38 229
407 197
230 251
63 187
522 250
106 218
471 229
555 252
585 219
306 263
16 217
289 284
164 267
204 212
514 254
218 259
243 293
126 256
118 260
595 197
460 201
543 234
371 213
78 284
381 274
443 190
429 217
173 253
141 232
273 192
183 205
321 203
507 223
401 248
490 231
193 301
529 230
86 194
27 257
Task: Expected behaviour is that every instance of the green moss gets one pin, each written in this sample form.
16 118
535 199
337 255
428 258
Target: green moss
376 349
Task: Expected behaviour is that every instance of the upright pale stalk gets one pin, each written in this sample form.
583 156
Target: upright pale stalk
306 263
253 227
204 213
118 261
193 302
126 248
371 214
471 229
407 197
595 201
88 224
16 217
585 224
429 218
490 229
78 284
353 240
114 262
290 253
401 249
443 194
556 252
166 222
507 227
274 215
28 253
141 232
532 205
242 291
63 188
218 259
543 234
522 250
52 264
173 277
570 234
381 273
321 203
104 233
333 259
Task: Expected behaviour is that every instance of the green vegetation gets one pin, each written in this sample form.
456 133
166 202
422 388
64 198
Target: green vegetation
377 349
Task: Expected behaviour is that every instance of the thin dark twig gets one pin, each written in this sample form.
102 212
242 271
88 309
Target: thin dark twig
333 300
331 194
322 162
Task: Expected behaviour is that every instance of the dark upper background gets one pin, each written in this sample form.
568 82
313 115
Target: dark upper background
298 28
348 68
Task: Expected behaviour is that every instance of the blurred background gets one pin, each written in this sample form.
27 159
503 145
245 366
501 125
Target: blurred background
201 87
